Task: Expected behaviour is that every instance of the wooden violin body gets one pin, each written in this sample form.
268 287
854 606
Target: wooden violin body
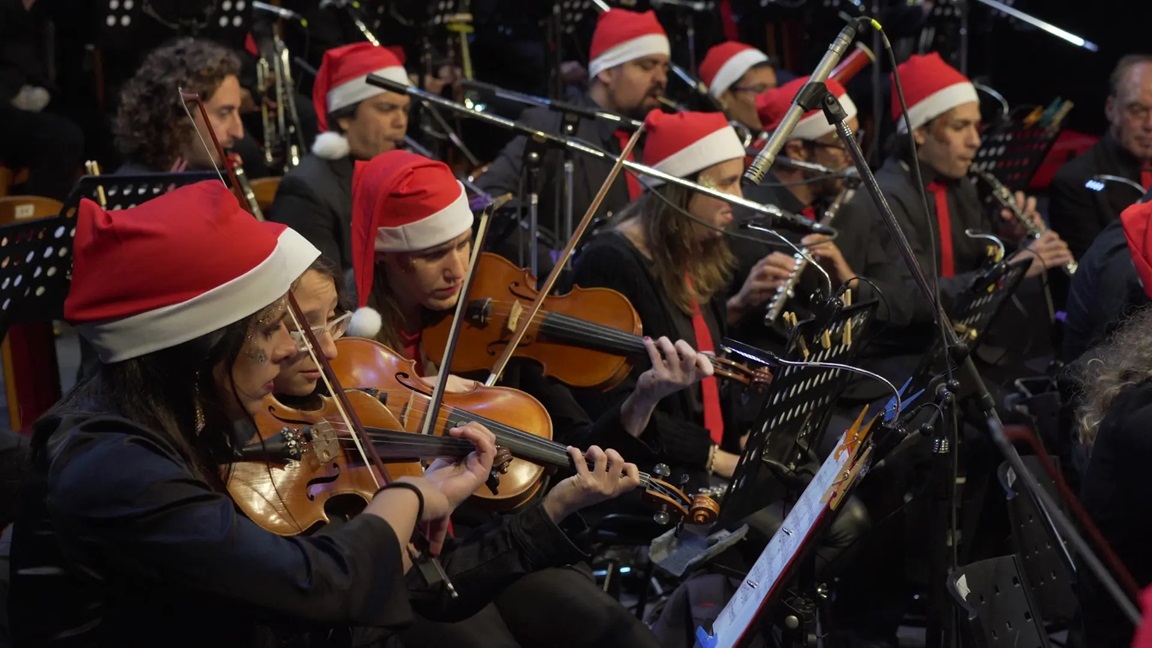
509 413
567 338
302 464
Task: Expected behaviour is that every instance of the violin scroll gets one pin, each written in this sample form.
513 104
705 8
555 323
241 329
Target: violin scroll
756 379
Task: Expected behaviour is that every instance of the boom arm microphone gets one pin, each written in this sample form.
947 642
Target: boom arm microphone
764 160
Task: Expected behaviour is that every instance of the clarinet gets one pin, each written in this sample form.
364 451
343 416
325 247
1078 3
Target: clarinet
787 290
1004 196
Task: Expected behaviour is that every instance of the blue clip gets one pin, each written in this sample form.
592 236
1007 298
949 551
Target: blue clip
703 639
890 412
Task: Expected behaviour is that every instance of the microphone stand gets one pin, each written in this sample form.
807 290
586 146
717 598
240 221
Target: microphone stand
777 216
816 95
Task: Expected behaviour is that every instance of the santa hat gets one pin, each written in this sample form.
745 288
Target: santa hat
623 36
684 143
725 63
1135 220
401 202
773 104
931 88
175 268
342 82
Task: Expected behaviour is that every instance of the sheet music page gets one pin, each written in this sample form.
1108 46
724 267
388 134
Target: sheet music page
764 576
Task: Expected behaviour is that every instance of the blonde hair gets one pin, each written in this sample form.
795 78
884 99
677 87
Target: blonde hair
1125 361
690 270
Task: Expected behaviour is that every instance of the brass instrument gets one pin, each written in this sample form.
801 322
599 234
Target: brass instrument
283 134
93 169
1004 197
787 290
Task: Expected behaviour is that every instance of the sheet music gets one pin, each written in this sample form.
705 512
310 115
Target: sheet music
764 577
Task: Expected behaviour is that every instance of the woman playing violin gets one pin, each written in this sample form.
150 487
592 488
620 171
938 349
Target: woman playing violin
411 240
125 531
673 269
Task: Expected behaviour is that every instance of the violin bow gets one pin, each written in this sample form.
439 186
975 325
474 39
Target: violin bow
191 97
360 436
529 315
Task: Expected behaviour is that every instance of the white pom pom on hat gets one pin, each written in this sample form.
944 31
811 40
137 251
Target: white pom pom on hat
331 145
366 322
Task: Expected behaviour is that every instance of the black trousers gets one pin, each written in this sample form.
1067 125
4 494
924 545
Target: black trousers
559 607
51 146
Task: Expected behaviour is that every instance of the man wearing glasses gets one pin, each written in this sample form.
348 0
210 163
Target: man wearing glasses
1079 213
736 74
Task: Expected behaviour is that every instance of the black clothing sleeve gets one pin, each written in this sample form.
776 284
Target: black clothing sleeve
1072 213
298 207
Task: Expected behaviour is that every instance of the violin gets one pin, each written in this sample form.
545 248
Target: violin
519 421
586 338
300 464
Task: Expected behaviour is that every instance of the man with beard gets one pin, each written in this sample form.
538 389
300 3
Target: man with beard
1078 212
628 68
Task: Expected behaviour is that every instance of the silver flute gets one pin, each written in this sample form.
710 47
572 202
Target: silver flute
787 290
1004 197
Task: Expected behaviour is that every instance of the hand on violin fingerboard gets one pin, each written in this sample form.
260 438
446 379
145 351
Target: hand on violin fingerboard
600 476
674 367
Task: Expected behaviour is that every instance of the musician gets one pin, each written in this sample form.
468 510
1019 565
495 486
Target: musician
412 234
736 74
628 68
152 129
858 251
1125 150
124 528
357 122
1113 423
945 121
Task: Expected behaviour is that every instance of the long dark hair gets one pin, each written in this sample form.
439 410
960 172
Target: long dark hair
164 390
675 248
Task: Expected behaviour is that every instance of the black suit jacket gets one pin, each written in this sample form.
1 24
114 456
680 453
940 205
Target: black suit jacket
1079 213
315 199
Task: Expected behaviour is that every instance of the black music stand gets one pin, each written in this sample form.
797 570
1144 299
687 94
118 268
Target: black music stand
792 421
36 256
126 22
1013 152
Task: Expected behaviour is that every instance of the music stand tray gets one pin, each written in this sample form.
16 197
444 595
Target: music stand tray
1014 152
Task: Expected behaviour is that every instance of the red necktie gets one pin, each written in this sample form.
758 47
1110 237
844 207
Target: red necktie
728 20
713 417
809 212
1146 178
944 220
634 189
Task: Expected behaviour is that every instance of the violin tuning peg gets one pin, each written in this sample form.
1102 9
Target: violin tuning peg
661 470
661 517
684 479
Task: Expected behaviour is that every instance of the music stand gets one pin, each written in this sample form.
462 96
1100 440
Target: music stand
124 22
798 408
1013 151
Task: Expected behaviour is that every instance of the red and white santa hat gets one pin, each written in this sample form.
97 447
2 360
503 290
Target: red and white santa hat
773 104
623 36
1137 222
401 202
725 63
931 88
684 143
342 82
175 268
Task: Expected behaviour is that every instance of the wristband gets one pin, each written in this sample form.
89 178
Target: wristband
406 486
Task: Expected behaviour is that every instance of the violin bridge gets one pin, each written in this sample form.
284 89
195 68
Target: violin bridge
324 446
514 315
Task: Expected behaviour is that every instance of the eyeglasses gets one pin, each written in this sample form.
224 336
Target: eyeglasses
759 88
335 328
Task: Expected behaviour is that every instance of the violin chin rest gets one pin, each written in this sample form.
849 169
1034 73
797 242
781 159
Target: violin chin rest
366 323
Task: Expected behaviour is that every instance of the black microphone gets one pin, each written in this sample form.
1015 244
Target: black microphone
280 12
775 143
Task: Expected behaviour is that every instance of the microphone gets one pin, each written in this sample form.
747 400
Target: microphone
775 143
690 5
286 14
846 172
551 104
